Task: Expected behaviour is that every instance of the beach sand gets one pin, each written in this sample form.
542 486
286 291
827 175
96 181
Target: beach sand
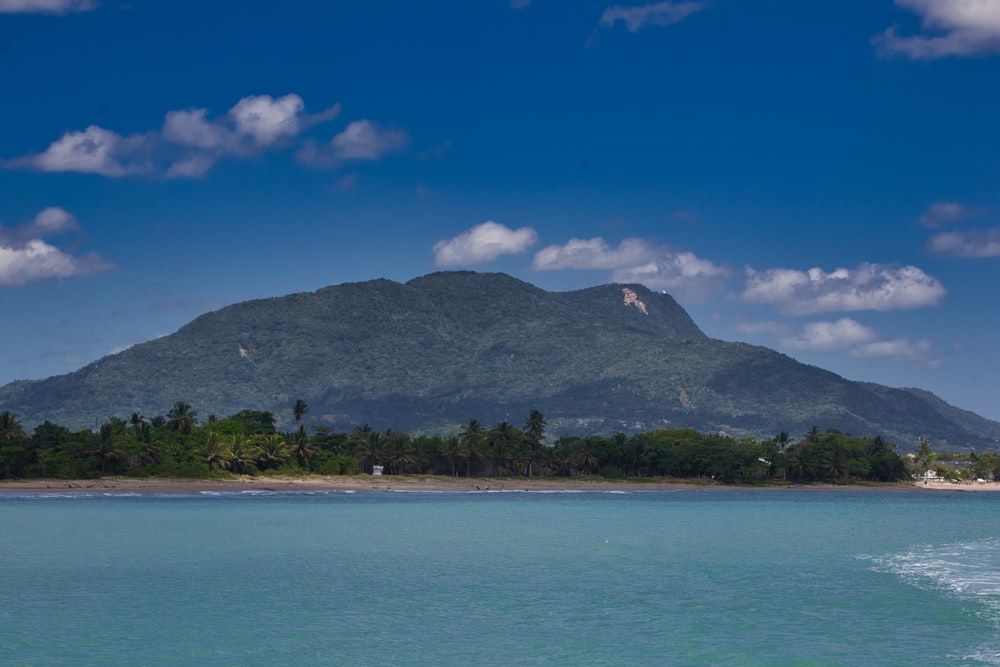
427 483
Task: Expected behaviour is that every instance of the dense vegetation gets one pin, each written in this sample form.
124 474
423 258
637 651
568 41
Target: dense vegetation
423 356
177 445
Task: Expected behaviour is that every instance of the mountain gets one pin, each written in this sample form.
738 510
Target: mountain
447 347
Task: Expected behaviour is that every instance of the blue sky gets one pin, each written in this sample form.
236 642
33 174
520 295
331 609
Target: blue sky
822 178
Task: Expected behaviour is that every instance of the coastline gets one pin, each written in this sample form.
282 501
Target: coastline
433 483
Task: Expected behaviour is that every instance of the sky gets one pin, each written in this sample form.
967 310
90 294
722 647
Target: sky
822 178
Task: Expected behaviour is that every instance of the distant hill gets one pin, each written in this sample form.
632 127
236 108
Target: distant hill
441 349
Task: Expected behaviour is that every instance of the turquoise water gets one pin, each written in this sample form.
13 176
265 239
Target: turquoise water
643 578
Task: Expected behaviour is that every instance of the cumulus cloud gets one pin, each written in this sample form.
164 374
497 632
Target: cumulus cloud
827 336
267 120
26 257
944 214
636 261
682 272
45 6
187 145
366 140
868 287
951 28
93 151
594 253
191 127
360 140
970 244
51 220
656 14
483 243
855 338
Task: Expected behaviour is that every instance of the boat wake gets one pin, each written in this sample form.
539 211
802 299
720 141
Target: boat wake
964 571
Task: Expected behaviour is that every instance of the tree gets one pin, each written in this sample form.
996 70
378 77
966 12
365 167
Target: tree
13 441
500 439
243 453
299 409
182 418
367 445
107 447
534 429
272 450
451 449
400 452
925 458
471 440
302 448
214 452
587 457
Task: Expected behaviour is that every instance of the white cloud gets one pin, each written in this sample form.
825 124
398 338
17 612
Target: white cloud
38 260
772 328
636 261
594 253
827 336
972 244
868 287
93 151
658 14
681 272
187 145
267 120
955 27
26 257
900 348
855 338
52 220
192 166
45 6
190 127
944 214
366 140
483 243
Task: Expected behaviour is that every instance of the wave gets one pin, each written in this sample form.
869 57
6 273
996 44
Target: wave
967 571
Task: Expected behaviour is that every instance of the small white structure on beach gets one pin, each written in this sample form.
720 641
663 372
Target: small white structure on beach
377 470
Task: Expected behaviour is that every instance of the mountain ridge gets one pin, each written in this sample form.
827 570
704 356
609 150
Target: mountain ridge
433 352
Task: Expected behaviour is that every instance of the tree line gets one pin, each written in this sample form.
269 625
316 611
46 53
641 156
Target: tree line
179 445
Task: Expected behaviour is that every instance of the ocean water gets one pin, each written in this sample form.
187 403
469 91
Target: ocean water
636 578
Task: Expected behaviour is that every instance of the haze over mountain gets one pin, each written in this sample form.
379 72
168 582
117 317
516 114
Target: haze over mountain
441 349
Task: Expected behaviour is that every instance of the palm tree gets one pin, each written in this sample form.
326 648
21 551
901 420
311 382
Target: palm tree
367 445
214 451
797 463
298 409
302 447
182 418
272 450
534 428
400 452
500 438
12 441
471 439
452 450
106 447
242 452
587 457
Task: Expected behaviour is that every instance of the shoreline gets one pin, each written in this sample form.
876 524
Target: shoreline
152 485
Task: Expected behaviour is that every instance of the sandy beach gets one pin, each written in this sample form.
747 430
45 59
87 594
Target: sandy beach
430 483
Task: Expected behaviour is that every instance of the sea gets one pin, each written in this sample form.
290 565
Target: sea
691 577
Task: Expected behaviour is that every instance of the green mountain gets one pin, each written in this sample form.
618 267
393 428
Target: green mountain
441 349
